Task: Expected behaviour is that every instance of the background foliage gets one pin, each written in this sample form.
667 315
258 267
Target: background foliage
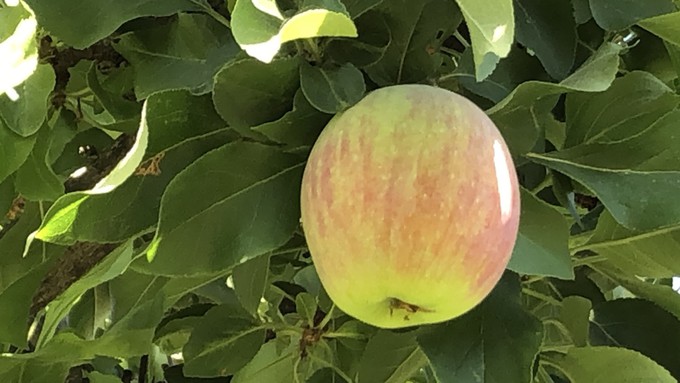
151 154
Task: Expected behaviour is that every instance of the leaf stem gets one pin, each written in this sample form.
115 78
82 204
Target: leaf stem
589 260
210 11
461 39
313 48
543 297
331 366
327 318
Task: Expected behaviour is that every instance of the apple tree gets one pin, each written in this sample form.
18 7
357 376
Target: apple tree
151 165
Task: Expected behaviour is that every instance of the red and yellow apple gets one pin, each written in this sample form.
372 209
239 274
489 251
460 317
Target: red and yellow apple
410 206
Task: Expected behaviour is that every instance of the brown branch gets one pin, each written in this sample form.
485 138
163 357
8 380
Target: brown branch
81 257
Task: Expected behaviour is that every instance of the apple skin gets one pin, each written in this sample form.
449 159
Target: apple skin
410 206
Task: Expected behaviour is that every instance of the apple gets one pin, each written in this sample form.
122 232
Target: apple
410 206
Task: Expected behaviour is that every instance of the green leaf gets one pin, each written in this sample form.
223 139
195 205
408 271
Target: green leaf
299 128
35 179
257 184
582 13
542 246
533 100
644 253
306 306
249 93
635 179
81 24
632 103
547 30
269 365
492 28
665 26
20 276
332 89
20 369
663 296
367 48
638 325
26 114
134 206
414 26
250 281
98 377
495 342
595 75
183 54
390 357
574 314
111 90
7 194
357 8
260 28
110 267
613 15
223 341
13 151
611 365
18 49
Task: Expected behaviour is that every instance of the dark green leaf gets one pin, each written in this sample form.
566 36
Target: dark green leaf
269 365
414 26
613 15
643 253
391 357
82 24
183 54
297 129
306 306
635 179
357 8
628 107
250 281
574 314
332 89
113 265
249 93
542 246
547 29
224 341
21 274
638 325
582 11
35 179
258 184
175 142
496 342
366 49
663 296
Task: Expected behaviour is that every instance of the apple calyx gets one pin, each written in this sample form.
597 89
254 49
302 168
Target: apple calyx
398 304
